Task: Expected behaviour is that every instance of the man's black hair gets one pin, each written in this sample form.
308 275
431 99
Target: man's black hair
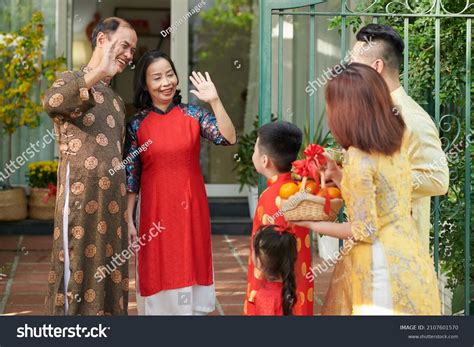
393 46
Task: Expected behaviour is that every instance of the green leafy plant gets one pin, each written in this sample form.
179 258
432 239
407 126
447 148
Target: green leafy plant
22 70
223 46
230 22
246 173
321 136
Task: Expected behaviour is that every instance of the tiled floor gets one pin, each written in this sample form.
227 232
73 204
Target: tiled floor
25 261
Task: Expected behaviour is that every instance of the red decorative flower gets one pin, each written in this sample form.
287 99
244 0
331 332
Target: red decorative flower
315 152
300 167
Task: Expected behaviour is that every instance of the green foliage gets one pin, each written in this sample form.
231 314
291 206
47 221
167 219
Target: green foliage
246 173
22 71
457 305
452 215
222 38
227 24
320 137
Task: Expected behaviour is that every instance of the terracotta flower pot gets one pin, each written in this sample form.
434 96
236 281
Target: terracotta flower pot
39 209
13 205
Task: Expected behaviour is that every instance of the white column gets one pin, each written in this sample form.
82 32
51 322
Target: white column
61 27
180 45
63 36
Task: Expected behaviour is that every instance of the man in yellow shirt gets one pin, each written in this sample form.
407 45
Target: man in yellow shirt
429 165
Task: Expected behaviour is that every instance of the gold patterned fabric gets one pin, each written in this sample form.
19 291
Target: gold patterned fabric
377 193
90 129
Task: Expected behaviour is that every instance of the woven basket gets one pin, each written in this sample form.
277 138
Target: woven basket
38 209
13 205
307 207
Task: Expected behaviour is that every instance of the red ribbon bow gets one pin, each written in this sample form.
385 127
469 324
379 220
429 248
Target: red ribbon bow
310 166
280 229
300 167
51 192
316 153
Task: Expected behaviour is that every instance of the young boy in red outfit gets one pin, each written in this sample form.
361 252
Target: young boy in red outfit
277 146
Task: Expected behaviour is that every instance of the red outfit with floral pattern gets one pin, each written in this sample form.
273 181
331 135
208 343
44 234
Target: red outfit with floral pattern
269 213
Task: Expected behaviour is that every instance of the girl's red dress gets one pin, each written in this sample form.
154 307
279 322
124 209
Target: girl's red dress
269 301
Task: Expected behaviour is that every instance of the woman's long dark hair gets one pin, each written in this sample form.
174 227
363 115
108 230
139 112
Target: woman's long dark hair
276 250
141 98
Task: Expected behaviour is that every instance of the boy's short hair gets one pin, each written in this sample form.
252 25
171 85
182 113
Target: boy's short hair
281 141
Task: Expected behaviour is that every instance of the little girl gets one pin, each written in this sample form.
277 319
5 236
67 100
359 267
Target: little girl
274 254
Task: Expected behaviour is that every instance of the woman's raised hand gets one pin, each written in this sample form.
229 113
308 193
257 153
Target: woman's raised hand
205 89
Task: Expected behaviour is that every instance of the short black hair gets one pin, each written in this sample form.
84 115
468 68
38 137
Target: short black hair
108 26
142 98
281 141
393 45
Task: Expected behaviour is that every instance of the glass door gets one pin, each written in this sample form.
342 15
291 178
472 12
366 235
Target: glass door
220 45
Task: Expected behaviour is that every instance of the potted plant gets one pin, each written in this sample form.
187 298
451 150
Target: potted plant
246 173
22 70
42 180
